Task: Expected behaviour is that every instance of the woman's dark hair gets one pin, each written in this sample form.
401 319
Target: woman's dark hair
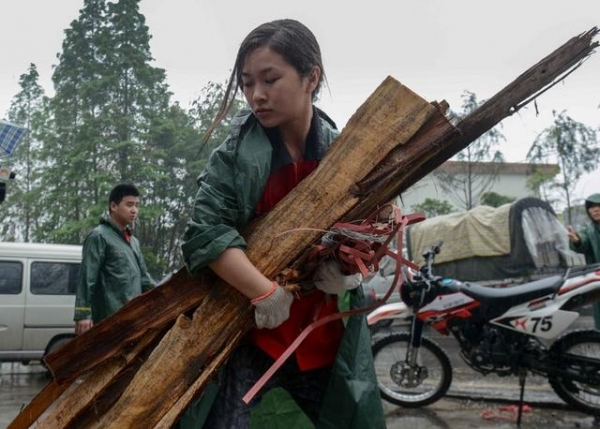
288 38
121 191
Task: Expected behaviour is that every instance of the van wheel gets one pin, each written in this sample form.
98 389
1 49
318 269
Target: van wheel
54 345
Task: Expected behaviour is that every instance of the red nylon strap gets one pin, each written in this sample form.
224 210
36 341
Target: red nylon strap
355 256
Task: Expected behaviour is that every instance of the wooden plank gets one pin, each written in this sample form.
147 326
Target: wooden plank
389 118
438 141
171 417
538 79
152 310
83 399
184 354
400 165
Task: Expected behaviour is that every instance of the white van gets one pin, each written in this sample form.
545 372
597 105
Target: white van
37 298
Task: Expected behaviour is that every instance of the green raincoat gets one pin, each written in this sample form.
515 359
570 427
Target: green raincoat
112 272
590 242
589 245
229 190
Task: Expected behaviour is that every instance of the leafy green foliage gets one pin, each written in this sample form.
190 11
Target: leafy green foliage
433 207
540 182
494 199
573 146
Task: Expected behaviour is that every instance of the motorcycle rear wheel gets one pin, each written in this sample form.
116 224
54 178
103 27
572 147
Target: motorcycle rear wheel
409 387
583 395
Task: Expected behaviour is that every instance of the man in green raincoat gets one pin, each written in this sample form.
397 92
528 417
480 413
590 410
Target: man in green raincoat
112 269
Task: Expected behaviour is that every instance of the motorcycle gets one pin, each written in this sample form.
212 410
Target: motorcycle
505 331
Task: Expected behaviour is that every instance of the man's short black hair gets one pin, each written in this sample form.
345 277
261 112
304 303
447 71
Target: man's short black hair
121 191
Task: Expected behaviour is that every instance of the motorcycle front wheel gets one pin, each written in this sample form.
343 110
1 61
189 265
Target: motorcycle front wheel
406 385
578 353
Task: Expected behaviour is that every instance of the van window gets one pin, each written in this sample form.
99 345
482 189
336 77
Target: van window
11 277
54 278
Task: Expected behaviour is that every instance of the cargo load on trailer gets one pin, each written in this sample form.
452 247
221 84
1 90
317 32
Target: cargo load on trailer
519 241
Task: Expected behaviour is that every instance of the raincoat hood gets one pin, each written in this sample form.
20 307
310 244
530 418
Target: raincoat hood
593 199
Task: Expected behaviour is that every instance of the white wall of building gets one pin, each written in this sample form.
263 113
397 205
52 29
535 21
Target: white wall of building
510 185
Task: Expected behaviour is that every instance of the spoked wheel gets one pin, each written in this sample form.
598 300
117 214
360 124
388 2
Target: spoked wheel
578 353
401 384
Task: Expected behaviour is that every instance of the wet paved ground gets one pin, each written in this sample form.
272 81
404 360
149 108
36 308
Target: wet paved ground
462 408
464 414
474 401
18 386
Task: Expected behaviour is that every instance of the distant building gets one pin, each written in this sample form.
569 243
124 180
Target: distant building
510 181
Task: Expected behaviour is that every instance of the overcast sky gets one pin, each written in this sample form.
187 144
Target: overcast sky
438 48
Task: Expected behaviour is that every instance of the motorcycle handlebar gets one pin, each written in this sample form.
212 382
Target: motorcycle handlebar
423 288
429 256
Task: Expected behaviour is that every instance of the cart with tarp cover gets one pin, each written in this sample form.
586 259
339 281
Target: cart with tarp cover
513 243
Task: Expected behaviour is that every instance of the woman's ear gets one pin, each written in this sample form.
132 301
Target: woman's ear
314 78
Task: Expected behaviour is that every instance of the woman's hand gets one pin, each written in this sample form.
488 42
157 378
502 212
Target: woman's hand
329 278
272 308
272 302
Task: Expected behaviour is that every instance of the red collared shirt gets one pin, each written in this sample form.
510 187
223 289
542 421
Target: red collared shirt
320 347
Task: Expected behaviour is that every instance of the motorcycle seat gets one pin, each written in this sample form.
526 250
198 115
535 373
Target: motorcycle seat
500 299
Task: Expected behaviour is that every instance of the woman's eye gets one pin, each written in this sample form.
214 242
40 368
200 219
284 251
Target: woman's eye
270 81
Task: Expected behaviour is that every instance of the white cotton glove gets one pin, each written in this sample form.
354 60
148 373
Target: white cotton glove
329 278
273 308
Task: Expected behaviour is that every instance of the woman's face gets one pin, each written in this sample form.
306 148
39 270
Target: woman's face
274 89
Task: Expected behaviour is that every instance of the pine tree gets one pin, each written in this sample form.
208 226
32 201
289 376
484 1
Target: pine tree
76 173
18 217
149 134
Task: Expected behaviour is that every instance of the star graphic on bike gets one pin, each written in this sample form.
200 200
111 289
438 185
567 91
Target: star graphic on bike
519 323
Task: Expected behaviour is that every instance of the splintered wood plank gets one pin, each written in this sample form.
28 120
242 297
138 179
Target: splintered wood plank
86 399
536 80
151 310
185 353
388 119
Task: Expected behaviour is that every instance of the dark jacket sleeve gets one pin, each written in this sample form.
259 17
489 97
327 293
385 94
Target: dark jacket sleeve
584 246
216 215
93 254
